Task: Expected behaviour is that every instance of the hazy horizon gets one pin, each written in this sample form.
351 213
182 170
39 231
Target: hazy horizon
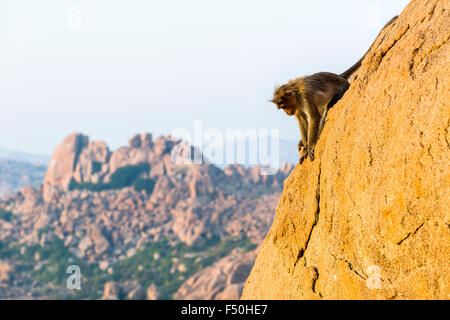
127 67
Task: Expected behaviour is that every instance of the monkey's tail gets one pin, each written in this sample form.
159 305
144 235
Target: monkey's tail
346 74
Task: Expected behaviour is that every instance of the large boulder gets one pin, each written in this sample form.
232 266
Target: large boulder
92 162
224 280
78 160
6 270
370 217
153 292
111 291
61 168
188 227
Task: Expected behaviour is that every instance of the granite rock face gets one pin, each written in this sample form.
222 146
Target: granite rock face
61 168
370 217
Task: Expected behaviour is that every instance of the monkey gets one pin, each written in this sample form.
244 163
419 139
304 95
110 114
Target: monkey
309 98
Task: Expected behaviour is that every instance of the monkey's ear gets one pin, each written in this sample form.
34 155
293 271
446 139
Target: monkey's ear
287 94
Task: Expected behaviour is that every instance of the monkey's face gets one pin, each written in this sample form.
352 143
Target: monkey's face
285 100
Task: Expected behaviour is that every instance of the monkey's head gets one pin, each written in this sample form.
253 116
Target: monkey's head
284 98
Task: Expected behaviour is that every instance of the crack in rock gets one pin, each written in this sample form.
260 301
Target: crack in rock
414 53
315 278
434 48
384 53
410 234
350 266
446 133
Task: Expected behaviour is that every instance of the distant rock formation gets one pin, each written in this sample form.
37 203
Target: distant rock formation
61 168
192 204
222 281
369 218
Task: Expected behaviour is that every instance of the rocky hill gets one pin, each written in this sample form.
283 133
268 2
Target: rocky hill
369 218
137 223
16 174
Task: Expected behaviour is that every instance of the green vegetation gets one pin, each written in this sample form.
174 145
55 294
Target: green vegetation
57 258
8 250
5 215
43 230
89 186
145 269
96 167
146 185
126 176
54 258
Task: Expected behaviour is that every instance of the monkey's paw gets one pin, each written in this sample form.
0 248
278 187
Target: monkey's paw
303 156
300 145
311 154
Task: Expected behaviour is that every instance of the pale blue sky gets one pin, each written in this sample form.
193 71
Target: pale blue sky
156 66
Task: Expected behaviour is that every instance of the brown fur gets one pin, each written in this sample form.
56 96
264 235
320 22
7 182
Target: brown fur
310 97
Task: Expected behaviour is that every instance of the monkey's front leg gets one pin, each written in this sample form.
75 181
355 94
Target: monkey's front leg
303 151
302 123
313 132
303 155
322 123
